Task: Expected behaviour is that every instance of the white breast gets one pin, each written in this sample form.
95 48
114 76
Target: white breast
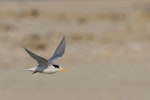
50 70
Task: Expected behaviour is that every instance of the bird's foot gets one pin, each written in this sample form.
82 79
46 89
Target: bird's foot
34 72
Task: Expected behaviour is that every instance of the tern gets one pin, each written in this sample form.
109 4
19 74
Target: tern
47 66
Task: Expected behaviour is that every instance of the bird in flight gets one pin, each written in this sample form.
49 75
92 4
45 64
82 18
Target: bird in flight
47 66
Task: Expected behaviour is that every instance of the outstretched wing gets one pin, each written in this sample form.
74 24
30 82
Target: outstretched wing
59 51
40 60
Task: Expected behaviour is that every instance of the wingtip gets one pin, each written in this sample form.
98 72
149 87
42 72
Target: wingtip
64 37
24 47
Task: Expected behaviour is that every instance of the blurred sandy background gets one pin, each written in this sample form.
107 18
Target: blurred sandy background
107 53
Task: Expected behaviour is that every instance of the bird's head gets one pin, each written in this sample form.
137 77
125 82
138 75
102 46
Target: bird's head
60 68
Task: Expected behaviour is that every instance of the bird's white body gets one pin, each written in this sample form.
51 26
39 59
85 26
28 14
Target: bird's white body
47 66
48 70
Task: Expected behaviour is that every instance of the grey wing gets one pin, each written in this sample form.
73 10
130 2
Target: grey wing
59 51
40 60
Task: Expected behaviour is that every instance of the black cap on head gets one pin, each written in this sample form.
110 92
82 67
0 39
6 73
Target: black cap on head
56 66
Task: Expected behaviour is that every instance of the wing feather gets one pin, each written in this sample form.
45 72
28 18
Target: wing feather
41 61
60 50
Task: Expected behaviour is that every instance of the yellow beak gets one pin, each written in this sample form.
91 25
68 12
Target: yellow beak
62 69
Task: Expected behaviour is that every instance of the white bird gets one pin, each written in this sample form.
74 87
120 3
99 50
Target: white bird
47 66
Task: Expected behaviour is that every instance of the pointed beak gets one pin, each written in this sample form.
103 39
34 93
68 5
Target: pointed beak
62 69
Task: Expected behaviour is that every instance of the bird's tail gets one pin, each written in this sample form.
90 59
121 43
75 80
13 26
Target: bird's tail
29 69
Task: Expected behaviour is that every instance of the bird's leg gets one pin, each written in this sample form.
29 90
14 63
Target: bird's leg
34 72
